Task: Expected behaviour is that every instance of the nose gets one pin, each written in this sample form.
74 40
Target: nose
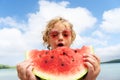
60 37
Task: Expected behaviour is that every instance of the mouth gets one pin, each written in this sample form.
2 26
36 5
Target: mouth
60 45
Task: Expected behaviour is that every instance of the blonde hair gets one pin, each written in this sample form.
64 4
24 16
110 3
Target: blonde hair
50 26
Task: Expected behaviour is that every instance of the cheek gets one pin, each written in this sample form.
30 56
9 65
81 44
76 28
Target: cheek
69 41
52 42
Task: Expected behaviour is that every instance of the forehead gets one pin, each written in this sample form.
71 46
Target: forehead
61 26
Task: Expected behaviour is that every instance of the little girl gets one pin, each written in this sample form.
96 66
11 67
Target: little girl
59 32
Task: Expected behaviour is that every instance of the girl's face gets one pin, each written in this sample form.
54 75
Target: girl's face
60 35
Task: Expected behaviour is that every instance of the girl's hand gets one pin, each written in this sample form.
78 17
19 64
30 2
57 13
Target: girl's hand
24 70
93 64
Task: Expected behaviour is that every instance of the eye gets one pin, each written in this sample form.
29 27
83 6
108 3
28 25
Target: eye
65 34
53 34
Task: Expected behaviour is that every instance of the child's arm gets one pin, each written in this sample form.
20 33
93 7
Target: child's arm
93 64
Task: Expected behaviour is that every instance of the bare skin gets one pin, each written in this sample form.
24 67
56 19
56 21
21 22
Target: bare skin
92 62
25 70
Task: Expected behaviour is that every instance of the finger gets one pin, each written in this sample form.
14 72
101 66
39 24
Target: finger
21 69
97 65
97 58
30 74
89 66
93 56
90 61
97 62
24 69
93 67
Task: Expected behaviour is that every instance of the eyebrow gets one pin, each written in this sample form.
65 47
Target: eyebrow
62 30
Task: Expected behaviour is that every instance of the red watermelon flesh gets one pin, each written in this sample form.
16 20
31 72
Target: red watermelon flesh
58 64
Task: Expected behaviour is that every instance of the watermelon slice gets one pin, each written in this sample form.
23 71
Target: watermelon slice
58 64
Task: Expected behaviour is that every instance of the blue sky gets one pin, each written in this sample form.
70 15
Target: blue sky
96 23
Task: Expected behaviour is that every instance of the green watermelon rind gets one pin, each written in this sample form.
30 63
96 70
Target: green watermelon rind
27 55
44 76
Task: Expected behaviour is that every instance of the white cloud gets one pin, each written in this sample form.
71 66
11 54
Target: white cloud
11 41
109 53
94 41
111 21
99 34
80 17
11 22
77 42
12 46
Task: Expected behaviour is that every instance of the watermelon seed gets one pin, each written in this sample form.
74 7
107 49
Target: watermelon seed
39 55
64 53
75 51
45 61
52 57
46 52
62 64
73 60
